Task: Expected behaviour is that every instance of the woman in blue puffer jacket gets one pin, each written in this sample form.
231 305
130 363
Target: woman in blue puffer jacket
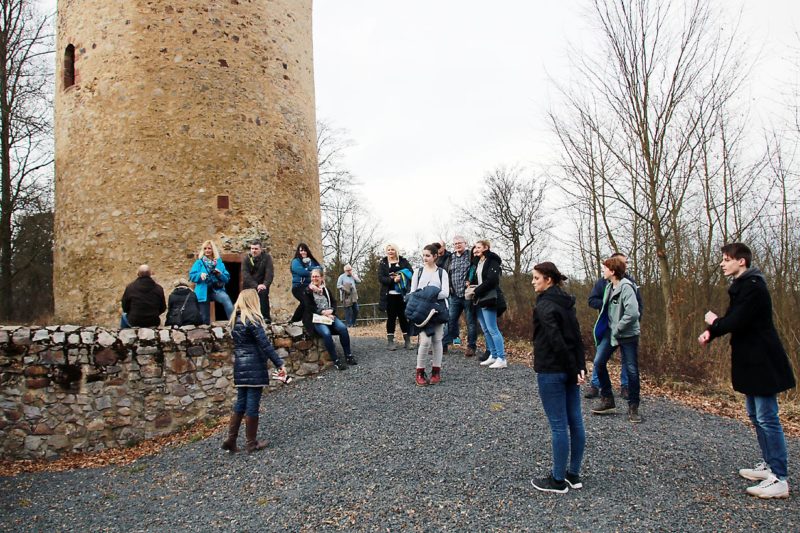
210 276
251 350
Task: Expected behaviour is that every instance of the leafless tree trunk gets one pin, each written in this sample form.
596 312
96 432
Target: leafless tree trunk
25 125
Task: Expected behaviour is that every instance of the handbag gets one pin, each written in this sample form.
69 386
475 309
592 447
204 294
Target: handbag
469 292
487 300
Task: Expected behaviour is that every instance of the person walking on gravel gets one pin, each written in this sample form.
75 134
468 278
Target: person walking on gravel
560 366
430 278
760 368
250 353
618 325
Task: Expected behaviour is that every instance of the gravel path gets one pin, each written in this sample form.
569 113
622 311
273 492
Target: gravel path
366 450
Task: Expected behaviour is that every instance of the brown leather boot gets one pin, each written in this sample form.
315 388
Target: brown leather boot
421 378
251 430
436 375
229 444
470 352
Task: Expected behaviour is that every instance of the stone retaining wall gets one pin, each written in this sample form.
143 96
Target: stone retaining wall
71 388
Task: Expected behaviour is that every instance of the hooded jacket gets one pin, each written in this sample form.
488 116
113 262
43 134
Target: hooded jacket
759 364
557 343
183 309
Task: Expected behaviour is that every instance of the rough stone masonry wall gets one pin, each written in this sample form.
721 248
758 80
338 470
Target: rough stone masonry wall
176 103
79 389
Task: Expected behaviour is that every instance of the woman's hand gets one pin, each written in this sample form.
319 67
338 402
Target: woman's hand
710 317
203 276
704 338
327 312
581 377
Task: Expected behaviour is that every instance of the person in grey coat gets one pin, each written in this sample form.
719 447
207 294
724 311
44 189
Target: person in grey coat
618 325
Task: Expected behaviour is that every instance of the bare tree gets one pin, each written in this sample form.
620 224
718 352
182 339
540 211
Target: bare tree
25 126
661 77
510 212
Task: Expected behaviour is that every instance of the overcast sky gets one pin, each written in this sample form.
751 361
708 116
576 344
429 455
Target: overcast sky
435 93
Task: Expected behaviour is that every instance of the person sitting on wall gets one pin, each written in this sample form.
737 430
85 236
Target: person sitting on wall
209 275
258 273
183 309
143 301
319 317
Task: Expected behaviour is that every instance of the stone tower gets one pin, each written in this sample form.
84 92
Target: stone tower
177 121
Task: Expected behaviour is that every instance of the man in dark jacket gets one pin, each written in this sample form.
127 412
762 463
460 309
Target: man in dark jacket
258 273
143 301
760 368
596 302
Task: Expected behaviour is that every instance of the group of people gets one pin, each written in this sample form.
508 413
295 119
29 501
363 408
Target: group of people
428 301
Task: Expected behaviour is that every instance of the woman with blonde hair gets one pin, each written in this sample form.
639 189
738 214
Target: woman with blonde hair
251 351
394 273
210 276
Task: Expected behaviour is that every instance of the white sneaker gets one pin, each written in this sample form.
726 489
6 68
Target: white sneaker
489 361
500 363
757 473
772 487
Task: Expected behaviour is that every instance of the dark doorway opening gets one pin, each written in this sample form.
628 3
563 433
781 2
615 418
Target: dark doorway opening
233 264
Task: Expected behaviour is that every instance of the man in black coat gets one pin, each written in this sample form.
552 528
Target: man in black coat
143 301
760 368
258 273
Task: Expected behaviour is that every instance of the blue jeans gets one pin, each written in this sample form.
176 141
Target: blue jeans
605 346
630 359
763 412
123 322
351 314
326 332
247 400
562 405
457 305
219 296
494 339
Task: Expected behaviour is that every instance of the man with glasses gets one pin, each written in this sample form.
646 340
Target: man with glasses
457 264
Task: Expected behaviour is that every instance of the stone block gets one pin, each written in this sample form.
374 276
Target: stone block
282 342
146 350
197 335
147 334
102 403
53 357
187 400
13 414
98 424
87 337
69 328
178 390
163 420
42 429
41 335
179 364
218 332
221 383
73 339
59 337
4 337
21 337
31 412
150 371
177 336
304 345
196 351
58 442
128 336
105 339
106 357
37 383
277 331
36 371
307 368
32 442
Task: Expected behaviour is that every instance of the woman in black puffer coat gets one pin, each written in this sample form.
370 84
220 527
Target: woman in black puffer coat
251 351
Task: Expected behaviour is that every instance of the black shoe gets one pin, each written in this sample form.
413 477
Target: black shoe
550 484
485 356
605 406
351 360
623 393
574 481
592 392
340 365
444 348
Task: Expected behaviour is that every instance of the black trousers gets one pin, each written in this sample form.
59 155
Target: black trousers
297 292
263 297
396 310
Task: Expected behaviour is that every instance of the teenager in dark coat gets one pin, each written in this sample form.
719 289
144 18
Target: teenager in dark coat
251 350
560 366
488 308
760 368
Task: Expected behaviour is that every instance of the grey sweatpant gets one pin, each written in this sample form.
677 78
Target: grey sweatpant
425 346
